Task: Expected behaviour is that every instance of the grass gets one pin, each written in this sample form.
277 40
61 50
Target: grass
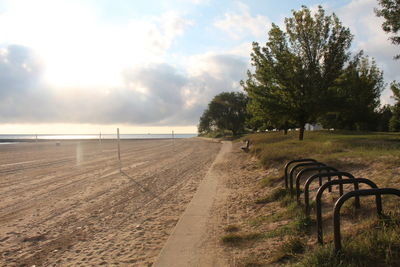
270 181
378 246
232 229
276 194
373 241
239 239
273 149
289 249
298 226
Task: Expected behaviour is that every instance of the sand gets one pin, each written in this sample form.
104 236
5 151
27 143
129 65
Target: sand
69 204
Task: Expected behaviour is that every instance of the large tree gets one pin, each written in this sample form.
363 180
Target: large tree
356 96
227 111
295 70
390 11
394 123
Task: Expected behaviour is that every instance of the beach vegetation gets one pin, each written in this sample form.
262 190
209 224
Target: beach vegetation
305 74
366 238
237 239
295 71
356 98
289 249
226 113
394 122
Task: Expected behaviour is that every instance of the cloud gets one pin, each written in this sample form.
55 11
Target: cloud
19 69
199 2
72 38
209 74
242 24
370 37
156 94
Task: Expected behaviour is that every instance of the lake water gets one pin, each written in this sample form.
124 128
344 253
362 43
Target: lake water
17 137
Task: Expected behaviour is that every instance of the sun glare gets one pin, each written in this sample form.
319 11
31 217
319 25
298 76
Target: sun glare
80 50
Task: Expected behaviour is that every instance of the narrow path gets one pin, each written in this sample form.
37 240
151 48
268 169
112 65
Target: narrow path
185 245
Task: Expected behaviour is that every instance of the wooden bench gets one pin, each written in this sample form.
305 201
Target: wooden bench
245 148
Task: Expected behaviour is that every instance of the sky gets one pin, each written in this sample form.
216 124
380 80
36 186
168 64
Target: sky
69 66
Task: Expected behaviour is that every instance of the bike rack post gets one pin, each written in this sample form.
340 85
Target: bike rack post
309 164
340 182
291 162
320 175
319 169
342 199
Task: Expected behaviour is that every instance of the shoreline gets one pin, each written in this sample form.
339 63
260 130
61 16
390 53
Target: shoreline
11 141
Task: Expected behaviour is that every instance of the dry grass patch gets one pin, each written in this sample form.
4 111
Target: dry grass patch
372 156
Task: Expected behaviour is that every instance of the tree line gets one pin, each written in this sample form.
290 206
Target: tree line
305 73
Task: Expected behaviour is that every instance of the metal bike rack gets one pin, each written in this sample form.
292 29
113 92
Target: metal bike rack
309 164
342 199
339 182
312 169
291 162
328 174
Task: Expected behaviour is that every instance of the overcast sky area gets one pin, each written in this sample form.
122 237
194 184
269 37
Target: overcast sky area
145 66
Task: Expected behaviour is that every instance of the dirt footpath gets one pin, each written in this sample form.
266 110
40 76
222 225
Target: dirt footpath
189 244
69 205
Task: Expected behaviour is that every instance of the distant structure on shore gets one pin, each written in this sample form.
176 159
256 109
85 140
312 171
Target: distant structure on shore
313 127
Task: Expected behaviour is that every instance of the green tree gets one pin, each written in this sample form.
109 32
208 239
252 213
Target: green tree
390 11
266 115
295 70
394 123
227 111
356 96
384 116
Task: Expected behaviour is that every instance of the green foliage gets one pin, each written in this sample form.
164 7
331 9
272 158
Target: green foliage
295 69
390 11
355 97
394 123
384 115
227 111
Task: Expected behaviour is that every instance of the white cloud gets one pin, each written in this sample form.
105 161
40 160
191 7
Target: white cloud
366 26
156 94
242 24
79 48
198 2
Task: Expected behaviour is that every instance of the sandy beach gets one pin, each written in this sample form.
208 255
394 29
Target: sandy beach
68 204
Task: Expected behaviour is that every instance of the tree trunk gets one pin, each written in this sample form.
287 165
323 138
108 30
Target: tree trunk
285 131
301 133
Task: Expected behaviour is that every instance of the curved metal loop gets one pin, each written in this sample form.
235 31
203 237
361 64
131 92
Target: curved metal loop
342 199
340 182
309 164
291 162
327 174
312 169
